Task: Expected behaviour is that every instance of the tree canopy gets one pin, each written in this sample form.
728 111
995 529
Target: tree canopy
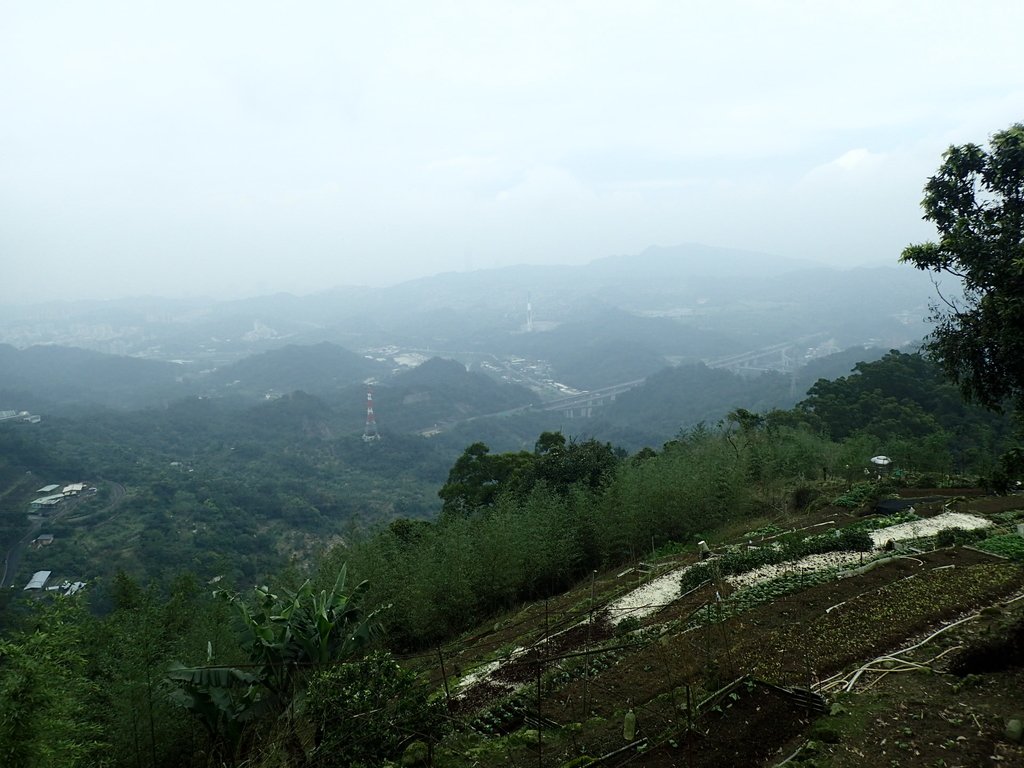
478 478
976 201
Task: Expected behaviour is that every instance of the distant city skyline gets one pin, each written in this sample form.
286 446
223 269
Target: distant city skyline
230 149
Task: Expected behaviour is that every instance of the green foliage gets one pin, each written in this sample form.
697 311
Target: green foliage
898 609
216 487
884 521
907 410
803 496
976 201
859 494
949 537
290 635
850 539
587 509
478 478
441 577
303 626
228 489
572 507
1006 476
759 594
135 642
366 712
1009 516
223 699
47 699
1011 546
563 465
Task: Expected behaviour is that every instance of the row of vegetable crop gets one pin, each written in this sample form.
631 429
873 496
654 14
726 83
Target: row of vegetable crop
743 560
1008 545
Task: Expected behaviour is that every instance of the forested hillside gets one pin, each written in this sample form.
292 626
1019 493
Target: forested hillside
435 543
903 401
220 486
42 377
216 487
318 369
164 673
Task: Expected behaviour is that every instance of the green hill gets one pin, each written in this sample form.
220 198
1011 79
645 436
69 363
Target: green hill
316 368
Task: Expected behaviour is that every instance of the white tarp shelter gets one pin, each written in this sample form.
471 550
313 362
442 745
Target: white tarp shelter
38 580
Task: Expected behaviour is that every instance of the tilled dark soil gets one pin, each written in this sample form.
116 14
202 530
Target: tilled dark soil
743 733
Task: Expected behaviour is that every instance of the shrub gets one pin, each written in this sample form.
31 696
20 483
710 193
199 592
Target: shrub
861 493
886 521
627 625
858 540
949 537
368 711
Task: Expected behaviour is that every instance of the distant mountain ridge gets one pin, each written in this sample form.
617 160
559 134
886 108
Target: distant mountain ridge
442 390
315 368
48 374
614 319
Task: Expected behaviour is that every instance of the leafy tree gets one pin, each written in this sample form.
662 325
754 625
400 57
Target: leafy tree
364 713
290 634
134 644
976 201
562 464
549 442
47 701
478 477
906 406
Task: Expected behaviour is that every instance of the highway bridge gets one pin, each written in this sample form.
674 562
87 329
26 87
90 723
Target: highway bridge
581 406
784 357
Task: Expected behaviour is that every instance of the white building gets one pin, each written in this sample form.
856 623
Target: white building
38 580
48 501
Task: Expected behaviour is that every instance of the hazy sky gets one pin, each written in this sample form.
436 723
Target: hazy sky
231 148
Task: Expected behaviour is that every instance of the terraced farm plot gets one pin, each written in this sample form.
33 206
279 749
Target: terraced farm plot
661 649
795 641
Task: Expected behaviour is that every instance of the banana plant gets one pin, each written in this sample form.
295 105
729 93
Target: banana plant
223 699
290 635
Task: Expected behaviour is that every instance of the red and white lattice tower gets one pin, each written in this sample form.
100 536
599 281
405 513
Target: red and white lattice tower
370 433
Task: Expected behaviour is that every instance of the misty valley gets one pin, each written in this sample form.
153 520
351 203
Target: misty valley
494 485
511 385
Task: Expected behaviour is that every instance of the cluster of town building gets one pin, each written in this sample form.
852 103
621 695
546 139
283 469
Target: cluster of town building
31 418
55 494
53 499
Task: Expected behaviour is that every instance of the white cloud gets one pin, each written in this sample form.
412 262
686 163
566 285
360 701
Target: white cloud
856 159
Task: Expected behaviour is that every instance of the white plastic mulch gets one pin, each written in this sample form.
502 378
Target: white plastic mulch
919 529
809 564
657 593
649 598
915 529
478 674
